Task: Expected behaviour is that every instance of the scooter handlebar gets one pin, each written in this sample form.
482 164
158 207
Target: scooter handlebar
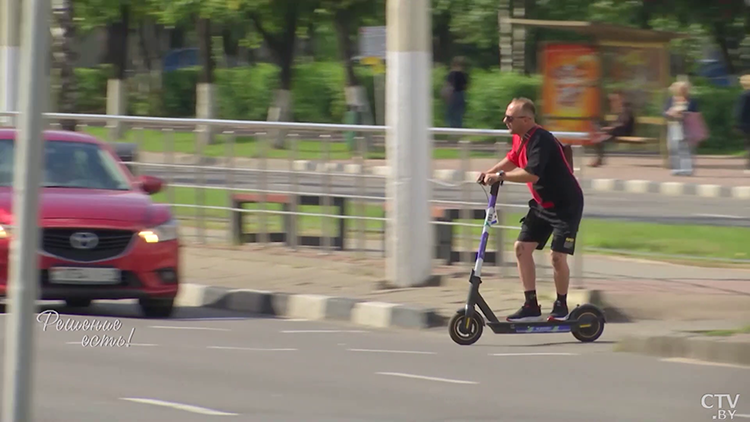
495 186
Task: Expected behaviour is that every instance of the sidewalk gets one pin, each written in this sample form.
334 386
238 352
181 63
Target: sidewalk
629 289
722 177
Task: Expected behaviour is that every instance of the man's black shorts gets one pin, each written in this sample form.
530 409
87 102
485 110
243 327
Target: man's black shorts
540 223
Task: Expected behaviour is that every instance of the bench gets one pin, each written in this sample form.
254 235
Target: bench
490 257
127 152
444 233
639 122
240 199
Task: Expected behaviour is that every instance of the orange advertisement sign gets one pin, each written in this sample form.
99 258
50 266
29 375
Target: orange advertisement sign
570 92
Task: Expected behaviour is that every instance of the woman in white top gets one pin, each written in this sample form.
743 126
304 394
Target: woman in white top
680 150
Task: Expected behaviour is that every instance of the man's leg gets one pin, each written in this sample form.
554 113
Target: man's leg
561 272
525 262
534 234
563 244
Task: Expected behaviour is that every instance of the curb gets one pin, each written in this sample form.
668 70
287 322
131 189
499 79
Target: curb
720 350
314 307
310 306
601 185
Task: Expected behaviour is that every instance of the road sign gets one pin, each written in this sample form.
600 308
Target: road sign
372 41
375 62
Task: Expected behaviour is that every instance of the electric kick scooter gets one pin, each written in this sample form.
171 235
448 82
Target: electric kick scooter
585 322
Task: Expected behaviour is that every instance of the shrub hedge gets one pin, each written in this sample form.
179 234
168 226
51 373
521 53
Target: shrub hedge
318 96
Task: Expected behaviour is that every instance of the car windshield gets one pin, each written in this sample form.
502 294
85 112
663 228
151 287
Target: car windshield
69 165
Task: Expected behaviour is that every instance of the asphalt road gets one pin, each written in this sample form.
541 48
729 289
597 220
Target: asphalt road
208 365
614 205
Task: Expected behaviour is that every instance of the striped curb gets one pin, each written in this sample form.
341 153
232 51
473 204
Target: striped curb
710 349
310 306
596 185
315 307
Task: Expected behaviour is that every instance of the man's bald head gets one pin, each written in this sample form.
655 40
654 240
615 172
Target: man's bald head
520 116
526 106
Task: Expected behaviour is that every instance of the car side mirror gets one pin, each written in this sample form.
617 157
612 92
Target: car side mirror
150 184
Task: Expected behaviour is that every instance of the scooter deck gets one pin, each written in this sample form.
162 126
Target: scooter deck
520 327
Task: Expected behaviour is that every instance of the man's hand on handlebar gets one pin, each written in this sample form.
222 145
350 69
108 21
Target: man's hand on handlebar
490 178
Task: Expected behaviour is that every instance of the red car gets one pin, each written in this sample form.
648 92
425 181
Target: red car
102 236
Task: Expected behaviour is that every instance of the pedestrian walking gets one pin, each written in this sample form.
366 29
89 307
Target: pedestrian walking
454 93
678 143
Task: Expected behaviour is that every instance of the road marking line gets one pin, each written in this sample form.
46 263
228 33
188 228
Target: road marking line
254 349
174 327
534 354
422 377
703 362
132 344
180 406
413 352
293 319
321 331
212 319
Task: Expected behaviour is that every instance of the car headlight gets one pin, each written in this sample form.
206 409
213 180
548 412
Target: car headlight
5 231
161 233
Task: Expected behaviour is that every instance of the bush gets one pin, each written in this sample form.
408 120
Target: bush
245 93
717 105
91 97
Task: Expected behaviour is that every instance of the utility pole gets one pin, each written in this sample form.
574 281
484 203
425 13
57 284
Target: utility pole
409 231
23 268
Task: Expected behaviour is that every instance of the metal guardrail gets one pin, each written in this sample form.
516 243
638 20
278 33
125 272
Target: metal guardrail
295 177
231 129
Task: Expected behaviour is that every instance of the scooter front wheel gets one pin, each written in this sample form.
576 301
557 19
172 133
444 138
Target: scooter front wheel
464 330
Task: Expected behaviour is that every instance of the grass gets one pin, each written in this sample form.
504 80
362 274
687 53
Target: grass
727 333
667 239
249 147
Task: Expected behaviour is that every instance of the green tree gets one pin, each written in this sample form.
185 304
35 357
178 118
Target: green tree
278 23
347 17
204 15
117 17
64 57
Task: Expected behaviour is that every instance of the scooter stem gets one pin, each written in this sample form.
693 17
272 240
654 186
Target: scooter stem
490 218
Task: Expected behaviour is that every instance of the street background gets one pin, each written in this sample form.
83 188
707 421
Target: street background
272 331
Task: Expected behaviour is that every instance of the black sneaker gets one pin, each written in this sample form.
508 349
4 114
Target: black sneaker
528 312
559 311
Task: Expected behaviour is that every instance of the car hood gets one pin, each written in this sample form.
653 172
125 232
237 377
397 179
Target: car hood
87 204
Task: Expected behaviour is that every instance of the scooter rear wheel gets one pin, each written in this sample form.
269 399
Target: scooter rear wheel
463 331
592 329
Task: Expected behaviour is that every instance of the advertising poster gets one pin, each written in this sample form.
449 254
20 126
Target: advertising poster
571 94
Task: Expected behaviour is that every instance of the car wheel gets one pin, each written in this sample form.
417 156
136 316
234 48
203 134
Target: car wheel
78 302
157 307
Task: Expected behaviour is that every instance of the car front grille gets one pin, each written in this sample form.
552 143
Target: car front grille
111 243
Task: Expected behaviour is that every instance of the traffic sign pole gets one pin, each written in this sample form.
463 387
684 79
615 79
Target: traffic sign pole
23 268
